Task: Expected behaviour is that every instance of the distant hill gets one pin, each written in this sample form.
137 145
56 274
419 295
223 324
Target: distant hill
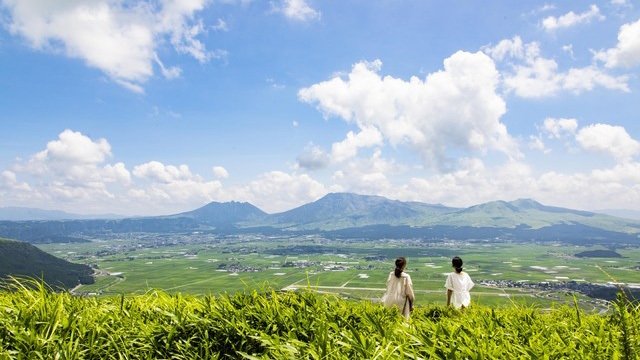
347 215
622 213
20 259
346 210
17 213
224 214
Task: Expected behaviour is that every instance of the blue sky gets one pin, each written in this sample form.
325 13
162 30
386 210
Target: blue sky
158 107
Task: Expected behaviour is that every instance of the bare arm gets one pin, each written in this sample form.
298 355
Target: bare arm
449 293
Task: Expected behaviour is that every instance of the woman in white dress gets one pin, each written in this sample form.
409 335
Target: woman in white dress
458 285
400 289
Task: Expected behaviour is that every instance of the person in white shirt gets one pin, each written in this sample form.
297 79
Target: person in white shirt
458 285
400 289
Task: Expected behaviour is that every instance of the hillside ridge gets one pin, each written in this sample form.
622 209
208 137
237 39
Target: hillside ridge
348 215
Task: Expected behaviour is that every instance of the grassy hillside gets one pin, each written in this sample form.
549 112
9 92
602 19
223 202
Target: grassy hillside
306 325
20 259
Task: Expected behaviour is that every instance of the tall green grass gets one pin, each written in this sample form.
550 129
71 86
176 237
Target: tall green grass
37 323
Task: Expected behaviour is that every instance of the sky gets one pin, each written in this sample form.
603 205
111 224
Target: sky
162 106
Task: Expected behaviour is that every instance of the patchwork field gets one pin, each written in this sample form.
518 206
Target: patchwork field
504 272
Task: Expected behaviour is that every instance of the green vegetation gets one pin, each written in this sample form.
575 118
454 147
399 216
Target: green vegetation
266 324
20 259
505 273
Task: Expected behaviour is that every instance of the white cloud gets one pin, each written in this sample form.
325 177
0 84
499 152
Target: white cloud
73 158
511 48
612 140
156 171
560 128
455 109
75 147
367 137
297 10
587 78
368 175
627 52
221 25
277 191
529 75
70 173
11 184
220 172
619 2
166 196
536 143
117 173
608 188
571 19
119 38
313 158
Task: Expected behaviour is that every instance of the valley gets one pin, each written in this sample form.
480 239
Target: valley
505 272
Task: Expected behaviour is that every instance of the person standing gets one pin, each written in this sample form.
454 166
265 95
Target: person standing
458 285
400 289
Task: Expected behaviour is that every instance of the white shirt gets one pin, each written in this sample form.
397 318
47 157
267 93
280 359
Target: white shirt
460 284
399 290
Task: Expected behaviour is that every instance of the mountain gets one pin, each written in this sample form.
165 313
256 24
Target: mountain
346 215
346 210
19 259
621 213
17 213
527 212
224 214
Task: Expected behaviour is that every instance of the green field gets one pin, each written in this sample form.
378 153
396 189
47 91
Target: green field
355 269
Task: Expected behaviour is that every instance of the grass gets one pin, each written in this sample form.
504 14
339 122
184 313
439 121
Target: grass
268 324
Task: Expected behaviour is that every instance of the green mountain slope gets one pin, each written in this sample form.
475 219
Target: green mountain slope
20 259
531 214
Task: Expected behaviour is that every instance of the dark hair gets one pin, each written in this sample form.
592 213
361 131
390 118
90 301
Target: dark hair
457 264
400 263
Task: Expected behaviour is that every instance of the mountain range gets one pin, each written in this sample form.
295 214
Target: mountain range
347 215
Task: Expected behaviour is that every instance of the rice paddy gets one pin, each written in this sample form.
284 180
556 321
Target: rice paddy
353 269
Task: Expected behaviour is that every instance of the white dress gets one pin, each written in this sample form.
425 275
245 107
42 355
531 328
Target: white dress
460 284
398 290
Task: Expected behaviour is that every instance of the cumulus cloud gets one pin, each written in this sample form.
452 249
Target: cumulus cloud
313 158
297 10
172 191
530 75
609 139
571 19
71 170
73 157
559 128
627 52
367 137
119 38
220 172
157 171
278 191
368 175
455 109
11 184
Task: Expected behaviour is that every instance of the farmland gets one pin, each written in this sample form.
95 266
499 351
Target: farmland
505 272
